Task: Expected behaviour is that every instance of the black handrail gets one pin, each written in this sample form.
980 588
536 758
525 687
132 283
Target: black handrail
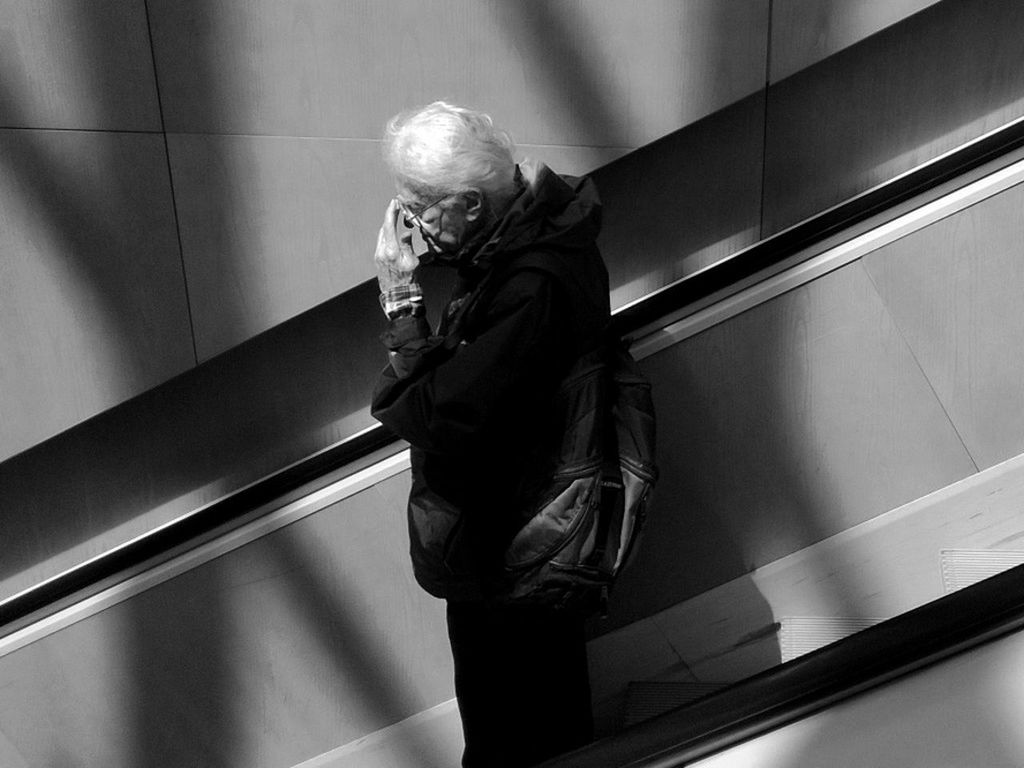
686 291
938 630
776 248
192 527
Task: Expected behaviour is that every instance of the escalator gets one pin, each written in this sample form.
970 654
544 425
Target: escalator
939 685
185 630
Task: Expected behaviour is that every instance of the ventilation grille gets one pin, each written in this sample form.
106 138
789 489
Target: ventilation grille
802 634
963 567
645 700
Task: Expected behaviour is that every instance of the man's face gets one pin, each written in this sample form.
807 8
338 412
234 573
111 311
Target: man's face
445 223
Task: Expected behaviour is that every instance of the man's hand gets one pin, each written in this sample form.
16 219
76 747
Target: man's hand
394 258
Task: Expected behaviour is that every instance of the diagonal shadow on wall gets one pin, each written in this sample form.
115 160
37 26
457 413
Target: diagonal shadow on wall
671 207
360 658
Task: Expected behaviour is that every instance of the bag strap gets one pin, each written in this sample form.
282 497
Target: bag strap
612 488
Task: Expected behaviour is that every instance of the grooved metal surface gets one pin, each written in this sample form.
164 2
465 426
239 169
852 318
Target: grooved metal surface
802 634
964 567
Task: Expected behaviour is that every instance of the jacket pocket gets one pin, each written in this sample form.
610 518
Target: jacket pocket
555 522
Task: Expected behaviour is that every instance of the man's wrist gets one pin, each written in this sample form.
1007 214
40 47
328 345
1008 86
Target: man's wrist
402 301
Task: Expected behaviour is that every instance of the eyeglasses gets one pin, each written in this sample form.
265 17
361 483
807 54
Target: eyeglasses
414 218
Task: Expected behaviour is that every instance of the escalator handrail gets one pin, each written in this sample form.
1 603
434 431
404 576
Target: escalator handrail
693 288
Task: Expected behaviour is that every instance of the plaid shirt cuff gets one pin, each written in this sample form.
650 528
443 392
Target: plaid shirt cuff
402 300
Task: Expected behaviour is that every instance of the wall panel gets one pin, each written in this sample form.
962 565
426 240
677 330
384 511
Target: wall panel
784 425
889 103
954 290
571 72
92 300
806 31
304 640
272 226
76 64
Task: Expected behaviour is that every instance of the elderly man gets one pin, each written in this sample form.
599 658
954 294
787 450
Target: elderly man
471 398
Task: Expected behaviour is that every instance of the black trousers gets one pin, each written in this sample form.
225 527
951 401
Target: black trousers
521 681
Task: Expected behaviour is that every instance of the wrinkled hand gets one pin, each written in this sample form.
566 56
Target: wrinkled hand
394 257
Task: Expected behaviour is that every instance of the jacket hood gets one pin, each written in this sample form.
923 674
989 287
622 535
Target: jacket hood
561 213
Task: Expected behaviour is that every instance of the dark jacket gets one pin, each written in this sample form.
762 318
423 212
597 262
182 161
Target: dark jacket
473 399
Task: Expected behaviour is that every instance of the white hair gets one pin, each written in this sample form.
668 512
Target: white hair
445 149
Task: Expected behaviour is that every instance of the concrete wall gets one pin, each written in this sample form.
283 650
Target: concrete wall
785 426
110 289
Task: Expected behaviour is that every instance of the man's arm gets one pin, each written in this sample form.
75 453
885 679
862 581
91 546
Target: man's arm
455 401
